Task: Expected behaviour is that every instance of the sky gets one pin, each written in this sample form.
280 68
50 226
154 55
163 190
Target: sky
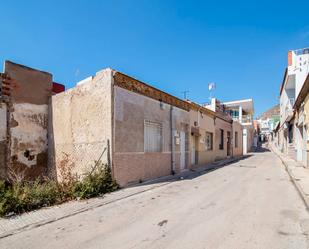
173 45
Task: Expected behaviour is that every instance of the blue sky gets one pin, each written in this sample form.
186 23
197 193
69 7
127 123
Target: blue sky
173 45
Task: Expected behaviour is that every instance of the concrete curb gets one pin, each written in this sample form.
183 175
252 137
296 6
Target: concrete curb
82 210
297 186
162 180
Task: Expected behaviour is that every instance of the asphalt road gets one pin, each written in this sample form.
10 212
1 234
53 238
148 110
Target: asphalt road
248 204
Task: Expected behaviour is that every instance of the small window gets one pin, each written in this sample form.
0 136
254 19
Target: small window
221 145
209 141
152 136
236 139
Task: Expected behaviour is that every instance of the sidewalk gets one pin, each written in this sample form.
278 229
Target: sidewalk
298 174
26 221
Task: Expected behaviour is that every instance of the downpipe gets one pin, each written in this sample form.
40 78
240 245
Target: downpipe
172 141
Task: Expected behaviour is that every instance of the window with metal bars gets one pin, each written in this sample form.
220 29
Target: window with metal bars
209 140
153 140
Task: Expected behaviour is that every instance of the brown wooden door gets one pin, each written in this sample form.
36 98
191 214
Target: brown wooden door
228 147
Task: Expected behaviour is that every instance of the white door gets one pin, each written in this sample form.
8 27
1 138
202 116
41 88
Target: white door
193 151
244 142
182 150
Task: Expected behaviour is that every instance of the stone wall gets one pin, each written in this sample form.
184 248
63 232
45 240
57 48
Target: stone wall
81 125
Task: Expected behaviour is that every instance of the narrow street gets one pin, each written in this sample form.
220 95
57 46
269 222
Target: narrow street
248 204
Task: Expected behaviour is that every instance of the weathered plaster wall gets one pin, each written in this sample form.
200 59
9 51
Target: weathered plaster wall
3 134
82 125
205 124
237 127
131 163
28 119
28 132
306 109
226 126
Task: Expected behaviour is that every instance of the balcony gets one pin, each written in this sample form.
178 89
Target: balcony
245 119
289 109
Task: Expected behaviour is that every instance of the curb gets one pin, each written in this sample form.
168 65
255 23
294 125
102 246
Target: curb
82 210
297 186
170 179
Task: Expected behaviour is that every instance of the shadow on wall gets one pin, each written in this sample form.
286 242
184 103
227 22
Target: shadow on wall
51 167
190 175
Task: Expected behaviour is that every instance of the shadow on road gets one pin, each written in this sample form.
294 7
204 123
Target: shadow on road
261 149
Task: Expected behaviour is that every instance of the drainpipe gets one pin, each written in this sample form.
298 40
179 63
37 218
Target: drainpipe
232 139
172 142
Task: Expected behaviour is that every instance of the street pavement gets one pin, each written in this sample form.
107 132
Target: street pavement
248 204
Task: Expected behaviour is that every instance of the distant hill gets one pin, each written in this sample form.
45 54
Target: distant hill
273 112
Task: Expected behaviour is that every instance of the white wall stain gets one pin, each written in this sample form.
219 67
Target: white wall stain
30 133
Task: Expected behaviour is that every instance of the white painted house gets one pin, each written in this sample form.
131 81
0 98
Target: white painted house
294 78
241 111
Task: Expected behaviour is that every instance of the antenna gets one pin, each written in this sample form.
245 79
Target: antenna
211 88
185 94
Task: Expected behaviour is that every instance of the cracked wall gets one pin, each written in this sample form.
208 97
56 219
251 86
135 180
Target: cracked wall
28 119
81 125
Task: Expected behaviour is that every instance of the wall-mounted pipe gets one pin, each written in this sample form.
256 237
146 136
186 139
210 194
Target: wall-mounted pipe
172 141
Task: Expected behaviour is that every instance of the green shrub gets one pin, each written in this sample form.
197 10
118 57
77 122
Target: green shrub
22 197
18 198
94 184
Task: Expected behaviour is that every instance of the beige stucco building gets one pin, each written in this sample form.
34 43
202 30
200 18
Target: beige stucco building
111 118
142 132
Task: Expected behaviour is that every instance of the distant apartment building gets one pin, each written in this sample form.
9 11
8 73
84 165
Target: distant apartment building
240 111
267 123
293 81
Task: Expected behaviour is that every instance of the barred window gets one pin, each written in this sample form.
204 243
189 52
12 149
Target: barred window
209 141
152 136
